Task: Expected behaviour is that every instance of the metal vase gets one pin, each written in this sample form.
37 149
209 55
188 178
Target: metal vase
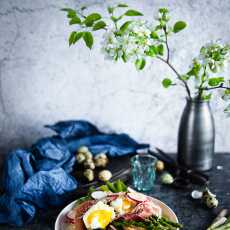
196 137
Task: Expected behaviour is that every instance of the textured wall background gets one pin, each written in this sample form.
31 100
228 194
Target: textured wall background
42 80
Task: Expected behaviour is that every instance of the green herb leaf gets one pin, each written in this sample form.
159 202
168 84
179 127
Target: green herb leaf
75 20
215 81
154 35
167 82
180 25
133 13
122 5
140 63
125 26
90 19
99 25
88 38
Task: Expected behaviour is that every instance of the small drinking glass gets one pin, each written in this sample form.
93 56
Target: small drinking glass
143 172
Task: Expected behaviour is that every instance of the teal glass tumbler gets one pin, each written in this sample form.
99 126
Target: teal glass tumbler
143 172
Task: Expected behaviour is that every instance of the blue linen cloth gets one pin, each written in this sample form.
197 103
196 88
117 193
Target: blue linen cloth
40 177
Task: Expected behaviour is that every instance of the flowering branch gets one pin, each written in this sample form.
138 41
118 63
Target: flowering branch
138 40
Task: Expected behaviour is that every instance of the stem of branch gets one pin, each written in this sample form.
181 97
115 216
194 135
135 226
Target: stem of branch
178 75
166 42
221 86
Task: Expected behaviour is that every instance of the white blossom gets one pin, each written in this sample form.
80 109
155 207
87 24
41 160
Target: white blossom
131 44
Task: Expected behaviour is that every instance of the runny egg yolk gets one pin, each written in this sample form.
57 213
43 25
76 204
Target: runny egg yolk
103 218
127 204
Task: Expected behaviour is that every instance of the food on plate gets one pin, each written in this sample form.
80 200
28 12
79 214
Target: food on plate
120 209
105 175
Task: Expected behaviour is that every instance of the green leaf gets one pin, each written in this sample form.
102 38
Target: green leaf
154 35
125 26
167 82
152 52
124 57
195 69
75 20
71 37
90 19
180 25
74 37
110 9
215 81
206 97
160 49
122 5
140 63
185 77
227 92
133 13
70 12
163 10
83 8
88 38
78 36
99 25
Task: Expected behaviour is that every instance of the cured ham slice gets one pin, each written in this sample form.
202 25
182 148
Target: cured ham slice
74 217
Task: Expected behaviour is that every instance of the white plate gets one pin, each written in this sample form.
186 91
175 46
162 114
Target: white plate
60 223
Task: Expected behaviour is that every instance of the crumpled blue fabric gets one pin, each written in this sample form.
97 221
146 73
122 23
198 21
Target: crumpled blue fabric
40 176
76 129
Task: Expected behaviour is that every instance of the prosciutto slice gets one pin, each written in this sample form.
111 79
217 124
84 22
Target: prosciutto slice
143 210
74 217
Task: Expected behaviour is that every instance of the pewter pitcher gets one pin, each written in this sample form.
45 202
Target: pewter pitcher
196 137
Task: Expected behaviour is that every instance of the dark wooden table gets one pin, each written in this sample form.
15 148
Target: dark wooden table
193 215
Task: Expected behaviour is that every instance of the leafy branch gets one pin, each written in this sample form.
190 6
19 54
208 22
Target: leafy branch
139 40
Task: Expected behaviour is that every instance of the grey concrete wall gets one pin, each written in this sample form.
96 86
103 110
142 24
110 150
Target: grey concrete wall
42 80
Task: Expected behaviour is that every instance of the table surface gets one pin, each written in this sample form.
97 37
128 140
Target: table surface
192 214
